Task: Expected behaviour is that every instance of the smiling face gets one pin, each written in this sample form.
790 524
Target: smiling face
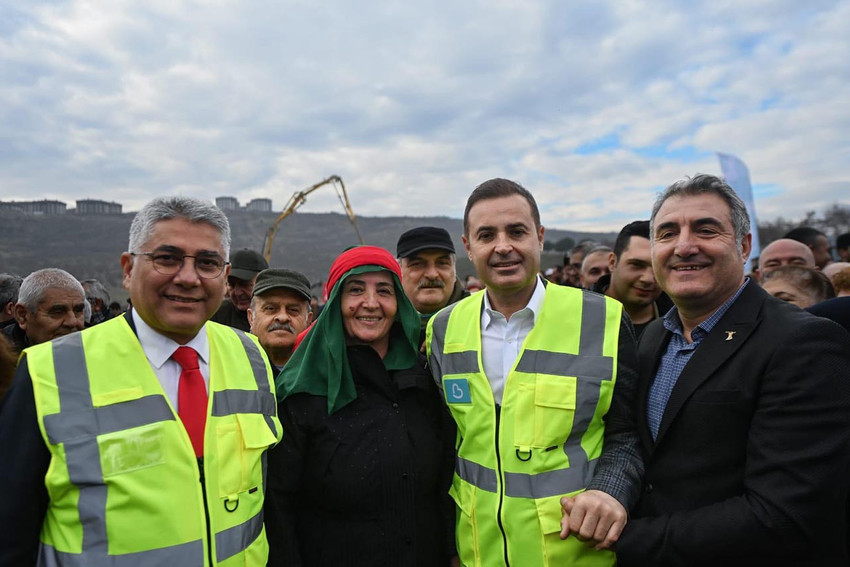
428 278
276 318
176 306
632 280
368 304
504 244
695 257
60 312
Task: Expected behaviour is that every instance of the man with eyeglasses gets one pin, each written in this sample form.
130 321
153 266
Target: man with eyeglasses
142 440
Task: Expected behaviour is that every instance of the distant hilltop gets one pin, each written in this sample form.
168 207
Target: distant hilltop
98 207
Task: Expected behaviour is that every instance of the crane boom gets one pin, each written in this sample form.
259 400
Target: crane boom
299 198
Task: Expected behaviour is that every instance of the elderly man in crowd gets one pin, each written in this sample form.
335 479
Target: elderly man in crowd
244 267
427 258
743 405
141 441
9 286
98 298
51 303
596 264
280 309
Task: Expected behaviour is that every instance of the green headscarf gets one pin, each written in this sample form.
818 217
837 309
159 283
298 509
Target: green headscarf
319 365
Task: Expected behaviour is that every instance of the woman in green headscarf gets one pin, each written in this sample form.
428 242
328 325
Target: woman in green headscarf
362 473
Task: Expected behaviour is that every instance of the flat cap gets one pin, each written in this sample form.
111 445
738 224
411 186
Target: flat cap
245 264
423 238
276 278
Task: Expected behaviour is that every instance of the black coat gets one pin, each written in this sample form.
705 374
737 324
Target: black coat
368 484
752 458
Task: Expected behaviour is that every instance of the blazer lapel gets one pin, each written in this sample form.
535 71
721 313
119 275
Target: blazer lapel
727 336
650 349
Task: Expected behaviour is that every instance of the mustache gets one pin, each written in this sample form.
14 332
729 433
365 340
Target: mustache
276 326
426 283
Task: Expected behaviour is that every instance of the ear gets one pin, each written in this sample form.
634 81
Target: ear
612 262
746 247
127 261
310 315
540 232
466 245
21 314
9 309
250 317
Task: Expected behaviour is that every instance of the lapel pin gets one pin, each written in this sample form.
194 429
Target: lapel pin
730 334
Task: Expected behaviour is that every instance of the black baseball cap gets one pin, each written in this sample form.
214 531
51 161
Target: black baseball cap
424 238
275 278
245 264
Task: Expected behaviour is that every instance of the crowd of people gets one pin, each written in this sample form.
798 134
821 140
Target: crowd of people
649 403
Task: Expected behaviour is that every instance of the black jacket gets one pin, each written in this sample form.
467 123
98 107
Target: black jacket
368 484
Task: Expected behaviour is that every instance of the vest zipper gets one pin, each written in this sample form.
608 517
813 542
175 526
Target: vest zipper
206 509
501 486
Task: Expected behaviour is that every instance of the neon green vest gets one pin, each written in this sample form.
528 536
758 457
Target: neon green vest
514 464
124 484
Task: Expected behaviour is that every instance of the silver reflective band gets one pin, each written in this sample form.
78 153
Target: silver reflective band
459 362
234 540
228 402
592 338
549 483
258 367
476 475
66 426
563 364
183 555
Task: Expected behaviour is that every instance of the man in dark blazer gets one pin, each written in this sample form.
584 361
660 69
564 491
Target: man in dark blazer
744 405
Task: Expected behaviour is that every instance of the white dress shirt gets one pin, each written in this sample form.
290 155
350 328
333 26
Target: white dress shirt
501 339
158 349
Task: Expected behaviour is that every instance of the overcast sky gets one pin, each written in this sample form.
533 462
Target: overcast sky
593 106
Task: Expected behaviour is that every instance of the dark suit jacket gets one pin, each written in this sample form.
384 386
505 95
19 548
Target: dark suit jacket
752 459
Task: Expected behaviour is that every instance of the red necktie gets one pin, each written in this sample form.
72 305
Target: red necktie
191 397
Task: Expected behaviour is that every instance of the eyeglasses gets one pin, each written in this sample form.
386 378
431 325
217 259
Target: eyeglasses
168 263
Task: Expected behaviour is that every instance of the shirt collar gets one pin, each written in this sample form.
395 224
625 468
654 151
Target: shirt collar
159 348
673 324
534 304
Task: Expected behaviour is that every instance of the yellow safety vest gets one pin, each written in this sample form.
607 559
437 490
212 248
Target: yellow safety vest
124 484
514 463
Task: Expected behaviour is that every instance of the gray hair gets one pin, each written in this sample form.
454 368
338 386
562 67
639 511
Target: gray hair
165 208
701 184
35 286
9 286
96 290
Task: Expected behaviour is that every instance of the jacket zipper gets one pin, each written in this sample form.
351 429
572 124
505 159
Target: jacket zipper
206 510
501 487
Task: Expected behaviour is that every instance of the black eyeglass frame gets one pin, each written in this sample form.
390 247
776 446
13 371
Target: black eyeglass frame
151 255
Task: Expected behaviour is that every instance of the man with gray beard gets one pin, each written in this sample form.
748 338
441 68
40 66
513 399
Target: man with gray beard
280 310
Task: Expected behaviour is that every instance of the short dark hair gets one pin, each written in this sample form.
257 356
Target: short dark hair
701 184
495 188
806 234
843 241
636 228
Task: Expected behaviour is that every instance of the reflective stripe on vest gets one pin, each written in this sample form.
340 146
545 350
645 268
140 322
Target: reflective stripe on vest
77 426
590 365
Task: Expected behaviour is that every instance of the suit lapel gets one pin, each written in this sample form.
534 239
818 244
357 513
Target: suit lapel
650 349
727 336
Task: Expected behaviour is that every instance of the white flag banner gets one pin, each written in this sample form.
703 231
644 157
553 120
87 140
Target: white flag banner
738 177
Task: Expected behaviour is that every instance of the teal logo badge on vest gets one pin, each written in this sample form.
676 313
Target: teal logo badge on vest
457 391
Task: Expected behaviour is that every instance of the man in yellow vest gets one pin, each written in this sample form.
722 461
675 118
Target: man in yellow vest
528 372
142 440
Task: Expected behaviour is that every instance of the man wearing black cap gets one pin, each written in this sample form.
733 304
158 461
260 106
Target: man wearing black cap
245 265
280 309
427 258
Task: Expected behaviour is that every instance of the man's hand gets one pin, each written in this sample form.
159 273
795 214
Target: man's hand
593 516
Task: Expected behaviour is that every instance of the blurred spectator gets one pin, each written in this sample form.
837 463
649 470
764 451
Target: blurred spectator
9 286
842 246
833 269
8 361
784 252
98 298
115 309
631 281
596 264
473 284
244 267
815 240
573 261
798 285
51 303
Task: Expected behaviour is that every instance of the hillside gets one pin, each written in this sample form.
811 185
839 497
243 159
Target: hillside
89 246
